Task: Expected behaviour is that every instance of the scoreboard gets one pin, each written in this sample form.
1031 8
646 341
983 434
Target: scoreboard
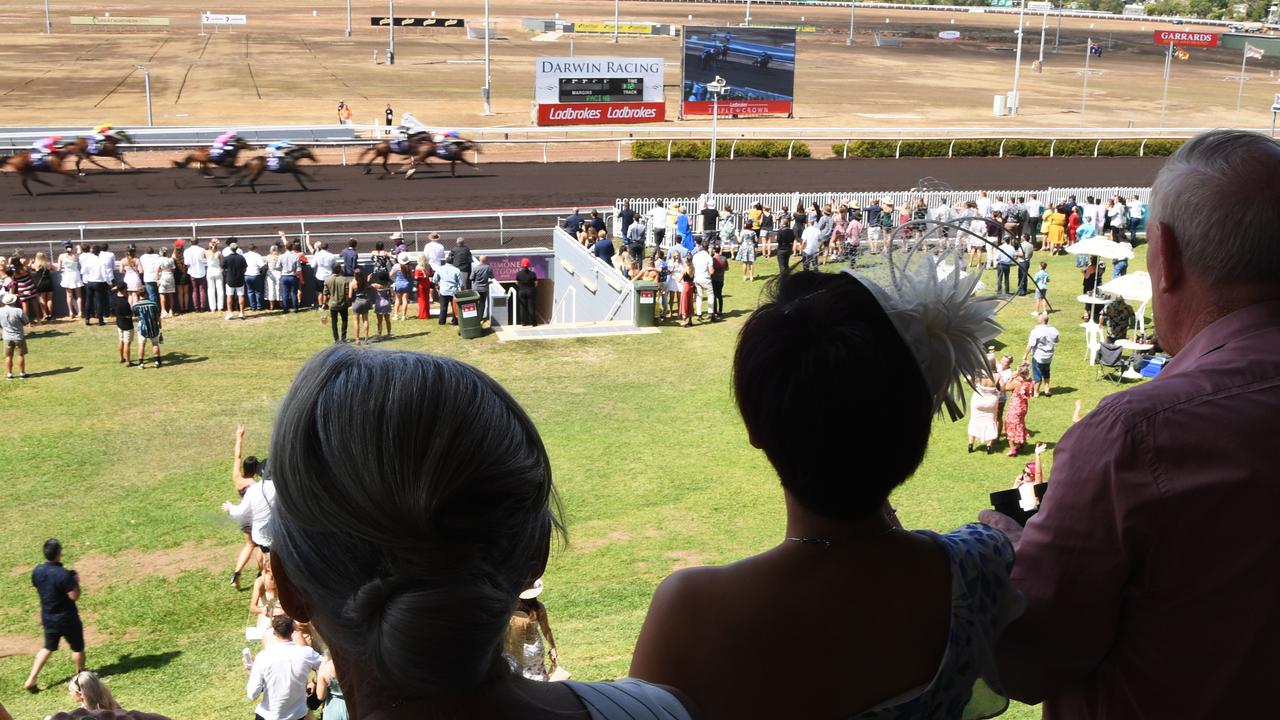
601 90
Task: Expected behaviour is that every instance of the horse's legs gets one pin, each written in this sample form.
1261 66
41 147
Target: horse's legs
95 162
386 169
297 176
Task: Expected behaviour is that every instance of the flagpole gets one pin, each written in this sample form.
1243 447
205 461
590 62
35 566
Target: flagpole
1244 58
1164 99
1084 91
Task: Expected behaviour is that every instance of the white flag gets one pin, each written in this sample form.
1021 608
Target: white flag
1252 52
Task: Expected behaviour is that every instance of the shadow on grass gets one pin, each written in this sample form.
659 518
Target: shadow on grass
1061 390
56 371
47 333
406 336
177 358
129 662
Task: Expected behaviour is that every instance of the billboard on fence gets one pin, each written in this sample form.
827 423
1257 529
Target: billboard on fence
120 20
1184 38
759 65
587 90
208 18
418 22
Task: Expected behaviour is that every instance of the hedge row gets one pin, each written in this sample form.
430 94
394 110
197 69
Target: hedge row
701 149
1012 148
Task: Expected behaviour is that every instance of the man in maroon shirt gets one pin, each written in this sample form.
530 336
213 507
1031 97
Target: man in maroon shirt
1152 571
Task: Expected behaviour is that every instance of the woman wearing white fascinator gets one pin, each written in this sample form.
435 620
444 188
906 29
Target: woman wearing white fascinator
848 615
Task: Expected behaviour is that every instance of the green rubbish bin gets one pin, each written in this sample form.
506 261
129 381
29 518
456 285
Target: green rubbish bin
468 305
646 302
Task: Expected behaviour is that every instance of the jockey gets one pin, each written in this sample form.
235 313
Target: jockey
46 146
105 132
224 141
279 148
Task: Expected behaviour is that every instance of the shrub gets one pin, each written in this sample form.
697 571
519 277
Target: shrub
1162 148
1119 148
701 149
1074 148
1026 148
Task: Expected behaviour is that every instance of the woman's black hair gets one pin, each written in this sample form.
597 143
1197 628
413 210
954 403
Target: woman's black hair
250 466
815 327
414 503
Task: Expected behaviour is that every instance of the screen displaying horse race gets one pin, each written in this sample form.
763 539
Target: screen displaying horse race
759 65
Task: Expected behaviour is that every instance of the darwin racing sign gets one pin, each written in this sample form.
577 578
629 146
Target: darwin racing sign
599 90
1186 38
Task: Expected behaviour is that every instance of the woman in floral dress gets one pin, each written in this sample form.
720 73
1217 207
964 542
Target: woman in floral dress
1020 390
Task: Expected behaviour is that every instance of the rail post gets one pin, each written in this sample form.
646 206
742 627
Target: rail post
793 144
1002 142
1142 148
1052 143
1096 146
951 148
897 151
733 147
669 150
544 145
502 228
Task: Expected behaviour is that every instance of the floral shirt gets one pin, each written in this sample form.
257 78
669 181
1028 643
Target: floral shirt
1118 317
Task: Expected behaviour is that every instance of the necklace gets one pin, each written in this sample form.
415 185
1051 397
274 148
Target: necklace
826 543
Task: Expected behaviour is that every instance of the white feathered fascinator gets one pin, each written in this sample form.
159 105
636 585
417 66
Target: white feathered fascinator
930 300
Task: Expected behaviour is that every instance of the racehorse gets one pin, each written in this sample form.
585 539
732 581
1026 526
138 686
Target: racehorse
255 166
417 147
26 168
82 149
453 152
201 159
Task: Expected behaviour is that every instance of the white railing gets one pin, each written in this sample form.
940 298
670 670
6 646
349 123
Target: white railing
411 225
570 295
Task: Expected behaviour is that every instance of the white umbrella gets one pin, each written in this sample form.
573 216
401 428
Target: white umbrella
1134 286
1101 247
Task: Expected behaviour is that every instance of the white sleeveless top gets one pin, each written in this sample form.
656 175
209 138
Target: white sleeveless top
628 699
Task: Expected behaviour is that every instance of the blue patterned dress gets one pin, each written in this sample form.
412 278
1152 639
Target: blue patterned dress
983 601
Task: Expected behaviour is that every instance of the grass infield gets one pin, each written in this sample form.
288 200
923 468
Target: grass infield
128 468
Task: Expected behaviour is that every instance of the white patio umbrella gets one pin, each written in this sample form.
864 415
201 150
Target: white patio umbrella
1102 247
1134 286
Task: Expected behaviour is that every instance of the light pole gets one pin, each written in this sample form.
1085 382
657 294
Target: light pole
1017 61
716 88
48 26
1275 109
1057 34
849 40
1164 98
747 20
146 80
1044 25
391 30
615 19
348 17
488 78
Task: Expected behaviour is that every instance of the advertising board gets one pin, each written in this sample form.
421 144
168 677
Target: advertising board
758 64
607 27
598 90
120 20
209 18
1187 38
418 22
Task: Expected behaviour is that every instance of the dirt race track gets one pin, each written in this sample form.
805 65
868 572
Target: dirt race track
166 194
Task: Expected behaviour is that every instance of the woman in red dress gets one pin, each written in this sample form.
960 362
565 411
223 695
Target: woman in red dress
686 292
1073 224
1020 390
424 290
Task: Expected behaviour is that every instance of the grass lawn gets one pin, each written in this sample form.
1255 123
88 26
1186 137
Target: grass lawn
128 468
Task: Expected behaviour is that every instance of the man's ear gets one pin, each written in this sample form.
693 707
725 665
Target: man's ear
1169 248
290 599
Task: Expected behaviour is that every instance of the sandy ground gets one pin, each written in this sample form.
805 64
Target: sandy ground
289 66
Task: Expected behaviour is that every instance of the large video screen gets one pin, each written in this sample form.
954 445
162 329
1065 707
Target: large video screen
759 65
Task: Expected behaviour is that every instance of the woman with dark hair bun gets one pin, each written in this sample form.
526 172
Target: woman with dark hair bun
414 503
848 616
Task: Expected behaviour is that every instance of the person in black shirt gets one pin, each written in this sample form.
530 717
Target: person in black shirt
59 589
526 294
626 216
390 115
786 240
460 258
710 222
124 324
350 258
234 267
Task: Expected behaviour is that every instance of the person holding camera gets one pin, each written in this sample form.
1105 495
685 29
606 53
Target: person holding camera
59 590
